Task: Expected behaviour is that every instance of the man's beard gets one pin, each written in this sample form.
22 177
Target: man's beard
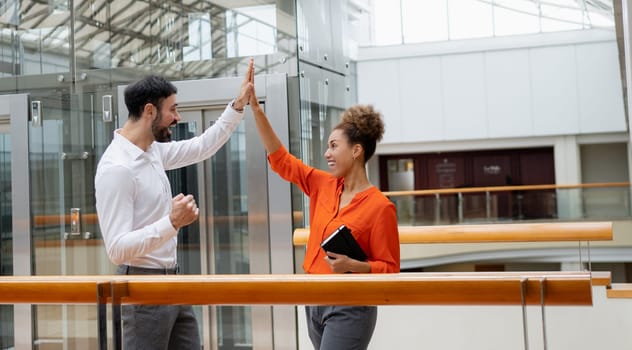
161 134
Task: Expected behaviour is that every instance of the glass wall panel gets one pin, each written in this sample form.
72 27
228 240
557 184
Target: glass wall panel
412 21
129 37
48 200
167 27
124 33
39 38
145 33
559 18
387 22
63 162
65 237
92 38
230 227
512 17
185 180
424 21
223 227
200 44
44 38
251 31
469 19
323 98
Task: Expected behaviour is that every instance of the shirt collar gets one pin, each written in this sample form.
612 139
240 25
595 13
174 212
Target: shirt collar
134 151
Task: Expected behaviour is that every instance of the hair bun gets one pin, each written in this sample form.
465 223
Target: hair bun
366 119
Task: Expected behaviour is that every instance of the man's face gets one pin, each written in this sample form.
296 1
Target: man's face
167 116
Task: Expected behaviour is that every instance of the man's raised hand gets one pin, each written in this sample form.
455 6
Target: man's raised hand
247 86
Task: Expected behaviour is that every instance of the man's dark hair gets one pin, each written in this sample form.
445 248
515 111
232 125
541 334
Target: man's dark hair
151 89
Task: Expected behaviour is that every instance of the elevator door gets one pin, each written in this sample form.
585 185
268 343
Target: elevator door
220 242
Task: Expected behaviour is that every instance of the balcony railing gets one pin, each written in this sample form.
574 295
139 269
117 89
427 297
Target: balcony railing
513 203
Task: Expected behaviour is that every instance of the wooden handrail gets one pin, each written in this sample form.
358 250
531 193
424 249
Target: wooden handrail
468 288
50 289
503 189
488 233
91 218
49 220
601 278
620 290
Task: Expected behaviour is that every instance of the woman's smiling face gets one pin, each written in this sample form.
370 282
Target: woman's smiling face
339 153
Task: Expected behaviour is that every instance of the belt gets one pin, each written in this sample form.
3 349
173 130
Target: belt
137 270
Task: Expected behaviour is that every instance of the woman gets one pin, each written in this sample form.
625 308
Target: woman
342 196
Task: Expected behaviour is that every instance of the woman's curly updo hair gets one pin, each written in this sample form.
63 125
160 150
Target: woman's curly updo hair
363 125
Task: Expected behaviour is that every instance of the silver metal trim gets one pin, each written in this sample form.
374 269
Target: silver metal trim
542 311
523 302
209 318
258 228
284 322
20 195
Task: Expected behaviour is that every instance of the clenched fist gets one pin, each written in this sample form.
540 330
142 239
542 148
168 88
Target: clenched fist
184 210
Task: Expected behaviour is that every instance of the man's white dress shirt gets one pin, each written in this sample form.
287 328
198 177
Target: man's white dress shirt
133 194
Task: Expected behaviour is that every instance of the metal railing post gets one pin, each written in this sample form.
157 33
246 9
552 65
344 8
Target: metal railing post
103 292
460 206
542 291
488 205
437 208
523 302
118 290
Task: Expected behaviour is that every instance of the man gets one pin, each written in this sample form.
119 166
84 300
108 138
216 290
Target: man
139 218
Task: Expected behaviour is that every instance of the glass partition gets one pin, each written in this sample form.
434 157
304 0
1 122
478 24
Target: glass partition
223 201
35 38
185 180
219 241
231 234
64 149
61 37
414 21
441 207
321 104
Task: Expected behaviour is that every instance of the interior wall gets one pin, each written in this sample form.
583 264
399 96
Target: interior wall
564 86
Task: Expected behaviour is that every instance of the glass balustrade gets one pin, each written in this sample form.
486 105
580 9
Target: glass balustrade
518 203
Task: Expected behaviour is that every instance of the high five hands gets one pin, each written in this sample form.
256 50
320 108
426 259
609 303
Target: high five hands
247 88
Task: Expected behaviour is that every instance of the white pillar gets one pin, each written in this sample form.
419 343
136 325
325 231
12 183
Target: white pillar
626 21
572 266
568 172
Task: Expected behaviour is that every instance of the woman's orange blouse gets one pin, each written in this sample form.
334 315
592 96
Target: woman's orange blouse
370 215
